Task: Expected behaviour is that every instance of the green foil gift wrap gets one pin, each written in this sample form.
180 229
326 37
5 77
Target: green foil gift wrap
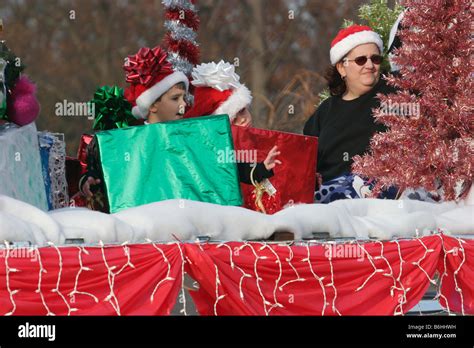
184 159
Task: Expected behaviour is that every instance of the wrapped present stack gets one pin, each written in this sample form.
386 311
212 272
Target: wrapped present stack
53 161
20 165
75 168
20 162
111 111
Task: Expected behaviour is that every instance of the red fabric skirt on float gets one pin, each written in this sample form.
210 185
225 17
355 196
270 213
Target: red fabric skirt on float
239 278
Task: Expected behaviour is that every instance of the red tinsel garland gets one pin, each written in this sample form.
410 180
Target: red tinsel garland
186 17
185 48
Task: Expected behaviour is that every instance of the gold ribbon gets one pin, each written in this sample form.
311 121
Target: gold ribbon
259 191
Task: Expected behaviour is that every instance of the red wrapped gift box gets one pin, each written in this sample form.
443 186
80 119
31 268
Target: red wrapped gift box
75 169
82 151
294 179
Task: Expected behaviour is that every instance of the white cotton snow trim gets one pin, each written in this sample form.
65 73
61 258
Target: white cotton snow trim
161 221
220 76
20 221
339 50
239 99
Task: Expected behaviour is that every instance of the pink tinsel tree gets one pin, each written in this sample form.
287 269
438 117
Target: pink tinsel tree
429 143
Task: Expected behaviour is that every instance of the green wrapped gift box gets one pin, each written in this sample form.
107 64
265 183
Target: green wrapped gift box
182 159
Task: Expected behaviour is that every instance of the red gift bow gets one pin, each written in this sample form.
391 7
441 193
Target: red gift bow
146 64
265 204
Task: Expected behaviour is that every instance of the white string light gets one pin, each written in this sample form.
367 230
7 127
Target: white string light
56 289
277 261
298 278
232 265
200 246
7 274
40 278
376 270
399 309
258 252
457 288
183 295
244 275
167 277
257 277
218 297
319 279
82 268
230 252
334 309
417 263
382 257
111 276
440 284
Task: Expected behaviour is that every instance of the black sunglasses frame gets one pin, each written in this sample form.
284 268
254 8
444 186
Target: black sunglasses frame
377 59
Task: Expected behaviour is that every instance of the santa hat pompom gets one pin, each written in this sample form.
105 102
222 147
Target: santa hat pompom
218 91
23 106
220 76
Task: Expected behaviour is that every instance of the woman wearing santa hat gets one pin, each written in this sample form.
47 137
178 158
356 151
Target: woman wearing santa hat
344 123
218 91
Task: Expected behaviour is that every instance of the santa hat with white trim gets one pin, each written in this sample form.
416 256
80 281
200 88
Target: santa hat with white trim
218 91
150 75
351 37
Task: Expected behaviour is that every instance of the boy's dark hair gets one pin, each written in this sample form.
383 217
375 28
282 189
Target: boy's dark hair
337 86
180 85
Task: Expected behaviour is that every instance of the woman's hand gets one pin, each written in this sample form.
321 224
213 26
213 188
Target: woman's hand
271 161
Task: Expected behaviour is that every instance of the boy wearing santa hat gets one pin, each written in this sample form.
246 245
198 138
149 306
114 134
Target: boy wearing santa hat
156 92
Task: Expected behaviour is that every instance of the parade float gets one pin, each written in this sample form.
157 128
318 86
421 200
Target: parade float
240 249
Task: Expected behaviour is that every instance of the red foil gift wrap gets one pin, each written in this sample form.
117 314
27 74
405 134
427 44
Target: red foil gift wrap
268 204
82 151
75 169
294 179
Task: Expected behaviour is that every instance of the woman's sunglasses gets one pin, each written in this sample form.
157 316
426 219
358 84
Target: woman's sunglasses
375 58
